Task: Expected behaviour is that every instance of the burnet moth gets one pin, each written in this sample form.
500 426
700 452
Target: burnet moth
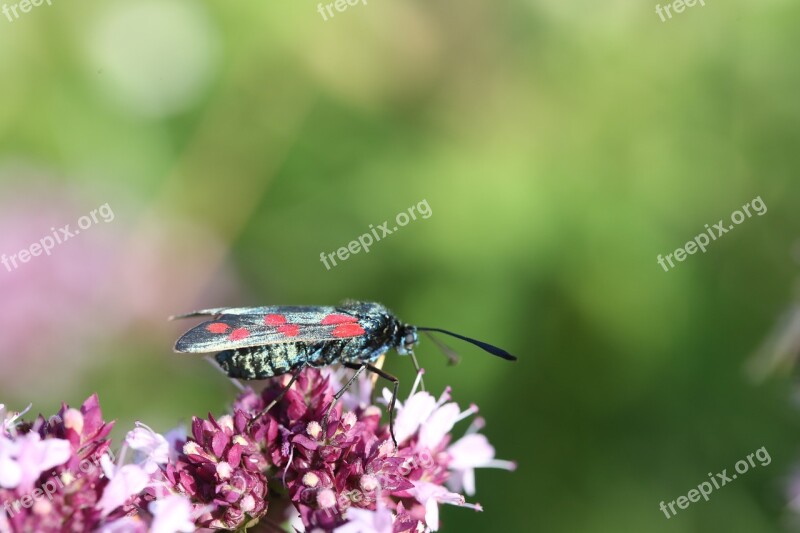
263 342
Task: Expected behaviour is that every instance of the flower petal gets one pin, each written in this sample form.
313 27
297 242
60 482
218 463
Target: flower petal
412 415
127 481
10 472
172 514
432 514
152 448
126 524
470 451
366 521
438 425
36 456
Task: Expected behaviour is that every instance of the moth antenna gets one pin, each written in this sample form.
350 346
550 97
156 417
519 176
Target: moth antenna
202 312
451 354
494 350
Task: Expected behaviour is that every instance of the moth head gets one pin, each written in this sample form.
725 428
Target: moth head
407 339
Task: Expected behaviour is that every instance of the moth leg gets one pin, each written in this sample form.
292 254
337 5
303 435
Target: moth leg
417 368
378 363
395 384
359 370
279 397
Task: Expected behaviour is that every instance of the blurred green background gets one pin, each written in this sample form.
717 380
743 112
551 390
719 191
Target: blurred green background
561 147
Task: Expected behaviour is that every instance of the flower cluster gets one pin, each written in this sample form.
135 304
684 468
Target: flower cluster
49 470
222 470
321 465
345 473
58 475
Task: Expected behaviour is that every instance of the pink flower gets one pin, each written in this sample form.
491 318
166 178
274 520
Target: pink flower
10 471
413 414
24 459
468 453
342 473
126 524
152 448
366 521
222 470
424 435
347 476
60 457
431 495
126 481
172 514
431 419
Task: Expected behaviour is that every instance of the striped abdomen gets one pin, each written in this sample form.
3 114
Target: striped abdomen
261 362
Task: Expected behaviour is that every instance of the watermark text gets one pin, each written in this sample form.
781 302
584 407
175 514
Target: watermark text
58 236
678 6
22 7
715 482
713 233
366 240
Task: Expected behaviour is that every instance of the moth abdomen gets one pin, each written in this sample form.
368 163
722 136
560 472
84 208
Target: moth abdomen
262 362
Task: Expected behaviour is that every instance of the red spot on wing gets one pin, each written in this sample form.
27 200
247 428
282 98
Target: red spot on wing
290 330
239 334
348 330
338 319
218 327
274 320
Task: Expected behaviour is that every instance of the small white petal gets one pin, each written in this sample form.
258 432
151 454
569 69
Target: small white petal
470 451
108 466
468 479
128 481
10 472
126 524
438 425
366 521
432 514
172 514
36 456
413 414
151 446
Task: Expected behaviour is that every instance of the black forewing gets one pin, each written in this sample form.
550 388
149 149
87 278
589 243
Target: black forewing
233 328
233 311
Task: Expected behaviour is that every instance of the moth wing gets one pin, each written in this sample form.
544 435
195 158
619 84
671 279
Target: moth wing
231 311
258 326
